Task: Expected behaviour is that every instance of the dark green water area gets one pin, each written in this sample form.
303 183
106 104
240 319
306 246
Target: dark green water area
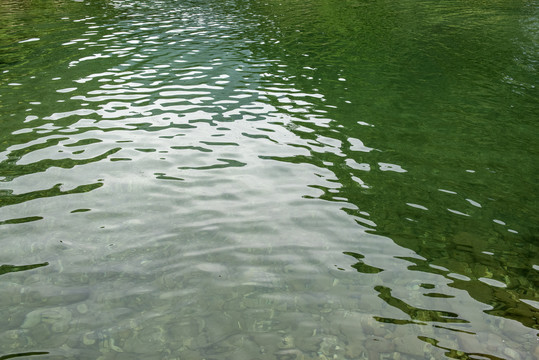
269 179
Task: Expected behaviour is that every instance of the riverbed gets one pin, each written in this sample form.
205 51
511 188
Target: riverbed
244 179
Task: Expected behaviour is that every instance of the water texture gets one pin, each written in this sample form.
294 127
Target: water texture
243 179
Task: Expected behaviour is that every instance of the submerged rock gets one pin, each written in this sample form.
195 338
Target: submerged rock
332 347
56 319
290 354
512 354
12 340
151 339
287 342
410 345
470 343
10 294
355 350
377 346
536 353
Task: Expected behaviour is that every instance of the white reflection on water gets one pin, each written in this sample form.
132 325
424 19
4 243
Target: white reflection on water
180 218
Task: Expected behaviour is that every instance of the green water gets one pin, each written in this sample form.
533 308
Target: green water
241 179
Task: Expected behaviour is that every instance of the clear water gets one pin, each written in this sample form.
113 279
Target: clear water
241 179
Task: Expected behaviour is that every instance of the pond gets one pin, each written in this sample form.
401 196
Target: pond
277 179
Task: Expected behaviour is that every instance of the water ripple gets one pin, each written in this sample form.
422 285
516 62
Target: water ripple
238 180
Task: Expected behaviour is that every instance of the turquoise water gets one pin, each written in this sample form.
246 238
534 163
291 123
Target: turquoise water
241 179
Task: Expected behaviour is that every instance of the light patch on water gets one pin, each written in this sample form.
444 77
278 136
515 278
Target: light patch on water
29 40
533 303
492 282
252 221
458 212
417 206
474 203
447 191
357 145
391 167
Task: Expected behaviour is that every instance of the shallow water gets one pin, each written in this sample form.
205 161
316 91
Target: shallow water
310 179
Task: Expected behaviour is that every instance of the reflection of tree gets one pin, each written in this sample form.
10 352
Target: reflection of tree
416 313
360 266
7 198
504 300
25 354
25 19
4 269
456 354
424 87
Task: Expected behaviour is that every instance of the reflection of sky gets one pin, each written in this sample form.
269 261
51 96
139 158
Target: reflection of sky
192 144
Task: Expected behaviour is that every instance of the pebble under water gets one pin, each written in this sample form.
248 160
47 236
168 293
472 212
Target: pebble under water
288 180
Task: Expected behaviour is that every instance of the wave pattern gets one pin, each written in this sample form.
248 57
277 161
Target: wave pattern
195 197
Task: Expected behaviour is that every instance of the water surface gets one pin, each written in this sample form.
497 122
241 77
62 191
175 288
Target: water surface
310 179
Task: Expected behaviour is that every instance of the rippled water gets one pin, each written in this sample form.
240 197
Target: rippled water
310 179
